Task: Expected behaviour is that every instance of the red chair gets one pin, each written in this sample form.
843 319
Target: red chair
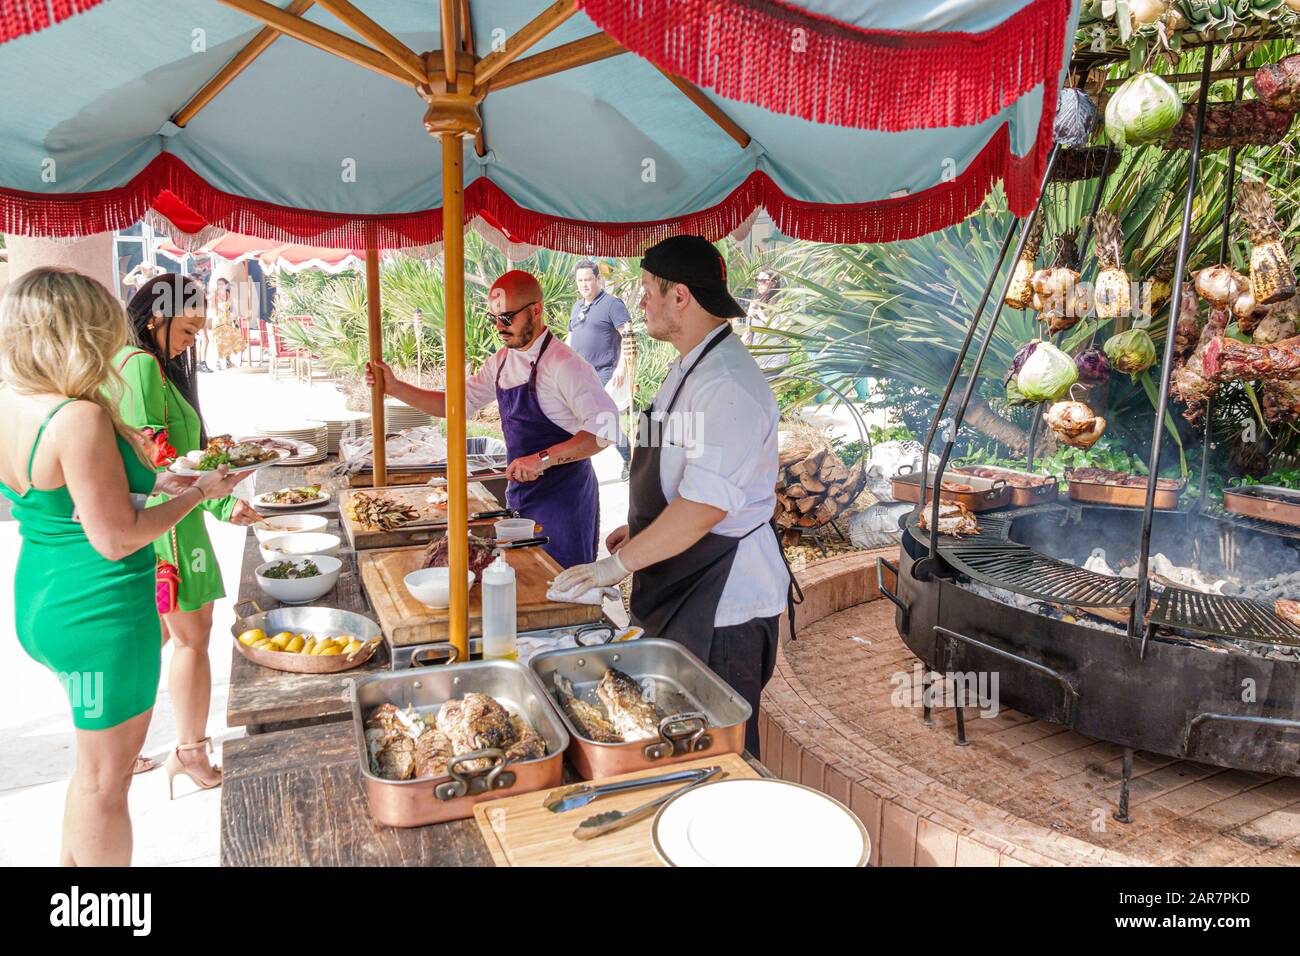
252 337
282 354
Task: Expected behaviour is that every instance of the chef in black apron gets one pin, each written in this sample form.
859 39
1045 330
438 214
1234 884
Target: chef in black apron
707 568
554 412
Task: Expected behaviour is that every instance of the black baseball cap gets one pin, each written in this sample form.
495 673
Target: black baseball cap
695 263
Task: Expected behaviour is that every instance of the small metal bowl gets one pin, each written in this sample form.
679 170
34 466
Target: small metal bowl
326 621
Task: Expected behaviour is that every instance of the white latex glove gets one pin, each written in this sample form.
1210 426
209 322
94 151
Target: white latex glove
582 577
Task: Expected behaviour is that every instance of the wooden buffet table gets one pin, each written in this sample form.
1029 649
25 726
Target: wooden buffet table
292 793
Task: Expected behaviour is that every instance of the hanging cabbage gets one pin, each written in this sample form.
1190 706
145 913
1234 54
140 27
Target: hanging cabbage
1143 110
1076 118
1131 351
1046 374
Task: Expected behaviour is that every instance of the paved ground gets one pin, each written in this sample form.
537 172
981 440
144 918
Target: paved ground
35 729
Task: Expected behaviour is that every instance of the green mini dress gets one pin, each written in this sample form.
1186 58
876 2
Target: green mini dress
153 402
92 621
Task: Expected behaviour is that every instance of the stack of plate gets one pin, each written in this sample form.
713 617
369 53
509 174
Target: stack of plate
310 436
398 417
344 425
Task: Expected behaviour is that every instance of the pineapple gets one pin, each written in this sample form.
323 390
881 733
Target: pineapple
1271 277
1113 293
1019 292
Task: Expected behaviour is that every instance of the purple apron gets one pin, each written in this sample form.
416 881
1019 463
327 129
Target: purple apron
564 500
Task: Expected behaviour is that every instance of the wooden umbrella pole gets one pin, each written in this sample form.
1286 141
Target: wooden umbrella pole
376 332
453 264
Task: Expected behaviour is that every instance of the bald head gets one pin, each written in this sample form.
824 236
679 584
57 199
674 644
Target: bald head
520 293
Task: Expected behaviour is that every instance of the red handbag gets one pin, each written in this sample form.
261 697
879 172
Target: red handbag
167 576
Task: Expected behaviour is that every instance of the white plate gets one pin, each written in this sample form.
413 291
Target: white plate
259 501
758 823
178 468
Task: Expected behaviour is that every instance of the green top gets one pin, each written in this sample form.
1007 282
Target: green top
91 621
153 402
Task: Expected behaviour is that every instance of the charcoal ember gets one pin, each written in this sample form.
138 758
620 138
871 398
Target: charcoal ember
480 553
1278 84
1227 360
1250 123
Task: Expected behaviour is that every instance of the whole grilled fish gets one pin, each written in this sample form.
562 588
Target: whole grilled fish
591 723
633 717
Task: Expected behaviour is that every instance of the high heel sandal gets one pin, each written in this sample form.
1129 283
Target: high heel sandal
174 767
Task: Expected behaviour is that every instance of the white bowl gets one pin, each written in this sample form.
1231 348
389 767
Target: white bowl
276 525
432 586
299 545
301 590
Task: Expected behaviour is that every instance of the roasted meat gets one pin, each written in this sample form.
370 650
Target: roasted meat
528 743
1188 382
1227 360
475 722
1187 333
1075 424
1013 479
1104 476
1249 123
396 757
432 753
1280 402
954 519
589 719
480 553
1278 84
404 744
1288 611
633 717
1280 322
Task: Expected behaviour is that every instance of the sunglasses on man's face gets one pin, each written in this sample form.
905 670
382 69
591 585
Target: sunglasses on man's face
507 318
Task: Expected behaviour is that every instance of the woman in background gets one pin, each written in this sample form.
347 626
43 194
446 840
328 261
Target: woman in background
161 400
227 336
84 595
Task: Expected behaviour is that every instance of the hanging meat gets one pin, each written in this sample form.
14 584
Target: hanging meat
1187 333
1278 84
1075 424
1280 322
1227 360
1249 123
1280 402
1188 383
1271 277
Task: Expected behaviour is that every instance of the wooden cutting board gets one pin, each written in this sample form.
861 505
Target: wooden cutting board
406 621
431 524
520 831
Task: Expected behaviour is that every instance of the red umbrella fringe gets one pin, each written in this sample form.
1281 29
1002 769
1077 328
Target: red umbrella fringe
18 18
943 205
792 61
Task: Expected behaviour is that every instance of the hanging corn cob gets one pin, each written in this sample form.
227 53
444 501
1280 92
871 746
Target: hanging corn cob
1271 277
1113 295
1160 287
1020 293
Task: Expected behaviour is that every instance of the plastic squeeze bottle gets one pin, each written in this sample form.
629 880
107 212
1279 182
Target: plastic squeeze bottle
499 611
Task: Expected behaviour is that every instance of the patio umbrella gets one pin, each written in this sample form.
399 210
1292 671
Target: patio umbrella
848 122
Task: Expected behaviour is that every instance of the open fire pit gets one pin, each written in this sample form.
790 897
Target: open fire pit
1214 678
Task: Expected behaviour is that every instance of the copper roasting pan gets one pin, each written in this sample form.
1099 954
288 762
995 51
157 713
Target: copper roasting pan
703 715
425 800
988 494
1265 502
1043 489
1123 496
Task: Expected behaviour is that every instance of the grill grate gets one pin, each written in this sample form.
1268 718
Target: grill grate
1258 524
1013 567
1222 616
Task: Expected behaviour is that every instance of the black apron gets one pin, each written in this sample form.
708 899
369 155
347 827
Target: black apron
678 598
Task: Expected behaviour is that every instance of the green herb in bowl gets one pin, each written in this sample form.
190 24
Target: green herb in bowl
288 570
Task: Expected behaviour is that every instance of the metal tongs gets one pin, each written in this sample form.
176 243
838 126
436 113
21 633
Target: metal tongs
571 798
612 820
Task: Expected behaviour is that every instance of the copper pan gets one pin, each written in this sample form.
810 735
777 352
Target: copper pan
988 494
1043 490
425 800
1265 502
1122 496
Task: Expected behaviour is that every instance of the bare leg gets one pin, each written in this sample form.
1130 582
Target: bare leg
190 684
96 824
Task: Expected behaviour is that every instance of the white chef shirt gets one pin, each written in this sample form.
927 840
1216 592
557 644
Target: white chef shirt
719 447
568 389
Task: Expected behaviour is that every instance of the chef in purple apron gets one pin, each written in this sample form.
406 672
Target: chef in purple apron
554 412
707 568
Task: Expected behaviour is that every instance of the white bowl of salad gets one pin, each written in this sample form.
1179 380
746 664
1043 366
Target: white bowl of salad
299 580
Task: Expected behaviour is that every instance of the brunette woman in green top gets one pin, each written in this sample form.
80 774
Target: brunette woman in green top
84 584
167 314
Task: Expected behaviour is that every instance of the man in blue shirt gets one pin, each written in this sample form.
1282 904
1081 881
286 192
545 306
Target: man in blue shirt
596 328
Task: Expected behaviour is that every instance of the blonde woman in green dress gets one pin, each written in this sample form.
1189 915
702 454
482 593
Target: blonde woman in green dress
161 399
84 603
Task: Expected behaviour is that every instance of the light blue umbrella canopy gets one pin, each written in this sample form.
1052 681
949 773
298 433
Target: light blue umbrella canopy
602 158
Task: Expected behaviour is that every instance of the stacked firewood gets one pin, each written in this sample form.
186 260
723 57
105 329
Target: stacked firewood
814 486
